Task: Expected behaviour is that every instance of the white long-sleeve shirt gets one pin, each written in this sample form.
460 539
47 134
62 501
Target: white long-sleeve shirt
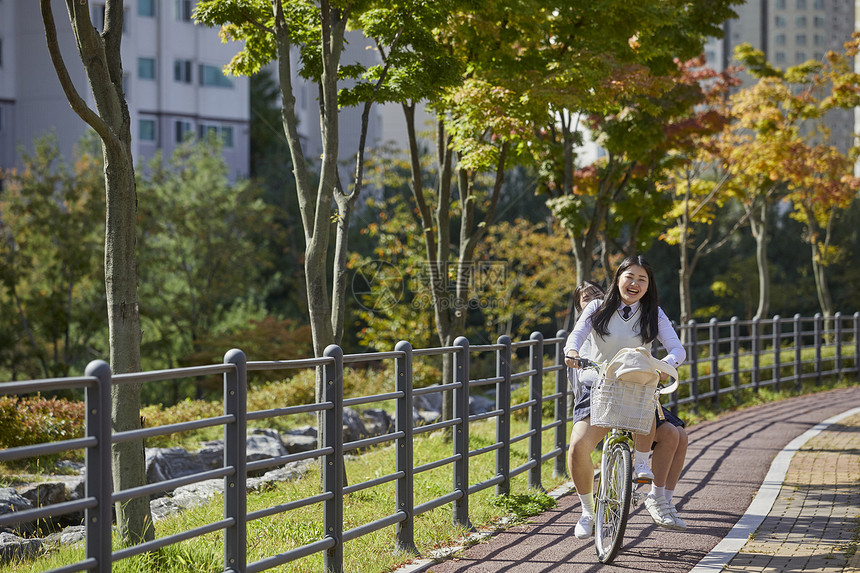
623 334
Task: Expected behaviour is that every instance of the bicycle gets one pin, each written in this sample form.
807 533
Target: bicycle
625 409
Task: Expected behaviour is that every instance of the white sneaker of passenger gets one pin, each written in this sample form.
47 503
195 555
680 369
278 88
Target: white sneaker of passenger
643 473
584 527
658 507
679 523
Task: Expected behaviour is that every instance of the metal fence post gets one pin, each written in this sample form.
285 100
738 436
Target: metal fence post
837 335
817 329
235 446
461 432
403 423
857 342
99 484
798 355
331 437
560 410
694 364
536 410
756 350
777 351
503 422
715 362
735 350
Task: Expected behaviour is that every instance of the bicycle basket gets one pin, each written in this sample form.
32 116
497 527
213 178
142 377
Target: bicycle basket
624 405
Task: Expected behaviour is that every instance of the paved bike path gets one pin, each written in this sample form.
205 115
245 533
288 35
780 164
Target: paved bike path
728 460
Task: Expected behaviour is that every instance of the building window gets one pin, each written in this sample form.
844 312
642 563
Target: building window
710 56
184 9
182 71
818 21
800 4
800 21
146 8
227 136
779 39
213 76
183 128
820 40
801 39
224 133
819 56
799 57
780 4
818 4
146 68
780 21
780 57
147 129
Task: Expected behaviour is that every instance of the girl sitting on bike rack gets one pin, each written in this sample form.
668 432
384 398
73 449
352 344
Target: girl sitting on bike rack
629 316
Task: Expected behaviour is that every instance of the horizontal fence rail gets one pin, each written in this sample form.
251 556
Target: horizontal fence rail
722 358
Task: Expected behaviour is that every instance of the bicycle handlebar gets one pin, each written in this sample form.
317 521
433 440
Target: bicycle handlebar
586 363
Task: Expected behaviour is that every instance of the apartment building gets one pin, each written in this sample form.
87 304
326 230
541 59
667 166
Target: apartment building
173 81
791 32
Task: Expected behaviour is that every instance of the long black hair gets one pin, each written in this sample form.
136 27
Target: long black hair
648 304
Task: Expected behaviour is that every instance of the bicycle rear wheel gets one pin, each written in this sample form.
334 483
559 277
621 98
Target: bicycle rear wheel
612 506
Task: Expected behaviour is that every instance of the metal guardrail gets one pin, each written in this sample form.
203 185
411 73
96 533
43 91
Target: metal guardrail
774 349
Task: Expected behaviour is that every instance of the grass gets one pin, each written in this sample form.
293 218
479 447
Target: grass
432 530
373 552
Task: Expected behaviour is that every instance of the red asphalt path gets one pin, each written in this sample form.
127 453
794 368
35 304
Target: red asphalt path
727 461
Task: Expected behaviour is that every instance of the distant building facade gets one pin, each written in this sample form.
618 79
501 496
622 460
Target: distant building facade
791 32
173 81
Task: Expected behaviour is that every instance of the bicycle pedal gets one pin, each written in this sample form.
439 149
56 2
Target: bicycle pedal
642 480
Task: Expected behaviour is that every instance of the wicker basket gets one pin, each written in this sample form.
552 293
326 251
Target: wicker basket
623 405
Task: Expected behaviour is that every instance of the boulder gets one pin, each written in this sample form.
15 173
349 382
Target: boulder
377 422
11 501
13 547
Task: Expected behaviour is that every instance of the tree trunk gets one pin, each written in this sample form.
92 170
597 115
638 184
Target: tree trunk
100 55
759 228
819 264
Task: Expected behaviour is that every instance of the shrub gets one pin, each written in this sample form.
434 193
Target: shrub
36 420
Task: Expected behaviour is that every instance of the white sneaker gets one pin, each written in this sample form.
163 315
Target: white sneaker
643 473
658 507
679 523
584 527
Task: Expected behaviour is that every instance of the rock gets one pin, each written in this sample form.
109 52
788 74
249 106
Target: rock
378 422
10 501
295 443
264 444
428 402
68 536
169 463
353 427
480 404
45 493
13 547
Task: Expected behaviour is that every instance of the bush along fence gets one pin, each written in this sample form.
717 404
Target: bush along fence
723 357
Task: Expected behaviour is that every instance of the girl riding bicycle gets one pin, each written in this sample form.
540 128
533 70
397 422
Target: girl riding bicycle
629 316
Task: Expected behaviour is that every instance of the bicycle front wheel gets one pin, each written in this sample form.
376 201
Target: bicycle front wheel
612 506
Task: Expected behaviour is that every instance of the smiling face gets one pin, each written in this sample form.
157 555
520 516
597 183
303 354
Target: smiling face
633 284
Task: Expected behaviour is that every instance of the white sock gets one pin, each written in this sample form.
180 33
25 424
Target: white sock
587 501
668 494
641 458
657 492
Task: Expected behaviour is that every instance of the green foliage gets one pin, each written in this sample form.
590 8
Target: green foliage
525 504
197 247
35 420
51 261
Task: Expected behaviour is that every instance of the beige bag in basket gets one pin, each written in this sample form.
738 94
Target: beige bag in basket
638 366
